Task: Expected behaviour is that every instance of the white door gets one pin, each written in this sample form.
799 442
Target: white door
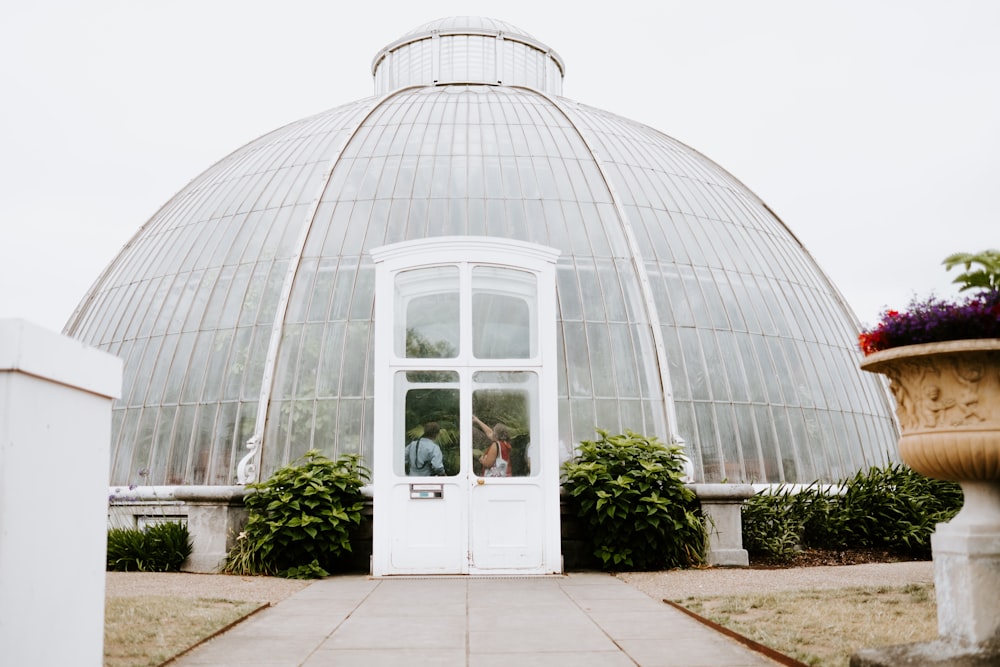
460 336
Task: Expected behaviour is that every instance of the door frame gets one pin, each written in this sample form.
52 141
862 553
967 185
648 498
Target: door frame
389 488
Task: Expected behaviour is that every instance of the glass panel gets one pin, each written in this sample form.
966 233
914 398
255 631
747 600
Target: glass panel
356 348
328 380
577 361
733 369
161 447
717 378
568 292
503 312
428 445
730 444
503 409
694 364
748 444
626 376
602 370
713 464
770 453
427 313
178 471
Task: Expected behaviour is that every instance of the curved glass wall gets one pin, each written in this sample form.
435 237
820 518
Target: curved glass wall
685 306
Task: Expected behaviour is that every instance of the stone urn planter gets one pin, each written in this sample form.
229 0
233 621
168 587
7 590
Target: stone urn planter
948 405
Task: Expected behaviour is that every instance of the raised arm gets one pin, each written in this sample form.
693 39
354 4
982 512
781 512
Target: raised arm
483 427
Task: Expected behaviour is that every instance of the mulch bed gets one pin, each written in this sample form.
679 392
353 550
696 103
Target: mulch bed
814 557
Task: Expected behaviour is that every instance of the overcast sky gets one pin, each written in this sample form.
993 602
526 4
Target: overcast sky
872 128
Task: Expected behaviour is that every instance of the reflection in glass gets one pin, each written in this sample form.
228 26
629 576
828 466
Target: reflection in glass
427 319
503 309
504 402
428 398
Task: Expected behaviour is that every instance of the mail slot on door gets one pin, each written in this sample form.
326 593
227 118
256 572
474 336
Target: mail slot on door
426 491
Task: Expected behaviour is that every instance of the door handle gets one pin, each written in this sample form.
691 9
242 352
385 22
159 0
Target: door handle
480 481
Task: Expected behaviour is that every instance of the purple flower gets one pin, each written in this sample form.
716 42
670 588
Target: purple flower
934 321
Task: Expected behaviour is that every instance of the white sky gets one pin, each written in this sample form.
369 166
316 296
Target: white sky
871 127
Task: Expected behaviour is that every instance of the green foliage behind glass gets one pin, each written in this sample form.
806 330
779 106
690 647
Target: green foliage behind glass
638 515
892 508
301 518
161 547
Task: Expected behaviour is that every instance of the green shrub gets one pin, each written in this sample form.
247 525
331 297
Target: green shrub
638 515
160 547
770 529
895 508
892 508
301 518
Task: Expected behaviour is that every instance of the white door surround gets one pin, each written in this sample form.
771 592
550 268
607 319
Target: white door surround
465 326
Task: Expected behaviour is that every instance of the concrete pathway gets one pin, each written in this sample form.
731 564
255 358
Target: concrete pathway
577 620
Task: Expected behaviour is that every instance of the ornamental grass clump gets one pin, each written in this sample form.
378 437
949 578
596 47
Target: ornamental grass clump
934 320
892 509
160 547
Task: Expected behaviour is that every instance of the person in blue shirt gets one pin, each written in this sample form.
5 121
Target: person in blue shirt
423 455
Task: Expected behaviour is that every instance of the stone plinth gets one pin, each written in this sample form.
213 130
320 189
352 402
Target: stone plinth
967 568
722 504
215 517
55 433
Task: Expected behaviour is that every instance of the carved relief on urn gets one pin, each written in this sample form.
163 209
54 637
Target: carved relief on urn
948 405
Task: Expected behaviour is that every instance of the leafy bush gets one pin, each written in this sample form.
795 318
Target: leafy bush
301 518
891 508
161 547
638 515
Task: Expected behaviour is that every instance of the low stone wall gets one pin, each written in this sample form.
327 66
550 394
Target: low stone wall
215 516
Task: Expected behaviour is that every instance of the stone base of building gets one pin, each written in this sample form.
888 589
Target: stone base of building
215 516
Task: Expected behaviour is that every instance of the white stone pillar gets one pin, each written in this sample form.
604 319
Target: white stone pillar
967 568
55 431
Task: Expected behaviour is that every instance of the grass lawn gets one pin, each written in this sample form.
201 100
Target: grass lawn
823 628
146 631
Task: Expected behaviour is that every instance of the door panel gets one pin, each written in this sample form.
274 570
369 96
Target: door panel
507 528
428 536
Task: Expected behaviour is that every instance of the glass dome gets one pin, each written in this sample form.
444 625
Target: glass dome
686 309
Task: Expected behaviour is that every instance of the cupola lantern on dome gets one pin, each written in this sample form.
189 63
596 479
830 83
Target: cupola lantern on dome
468 49
684 308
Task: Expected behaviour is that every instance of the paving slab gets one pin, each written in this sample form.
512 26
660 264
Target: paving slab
576 620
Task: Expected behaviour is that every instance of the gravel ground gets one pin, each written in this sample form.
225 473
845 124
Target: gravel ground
189 585
679 584
670 585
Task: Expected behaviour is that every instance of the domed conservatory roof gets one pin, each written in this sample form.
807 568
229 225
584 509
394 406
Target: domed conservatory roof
686 309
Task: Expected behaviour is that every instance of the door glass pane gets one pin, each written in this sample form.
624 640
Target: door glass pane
427 313
427 446
503 409
503 313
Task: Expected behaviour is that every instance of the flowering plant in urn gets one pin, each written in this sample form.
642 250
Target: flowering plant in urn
943 363
934 320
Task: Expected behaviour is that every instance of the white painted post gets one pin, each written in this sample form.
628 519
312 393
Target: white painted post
55 431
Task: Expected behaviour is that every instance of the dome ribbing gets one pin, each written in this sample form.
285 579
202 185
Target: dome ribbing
686 309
